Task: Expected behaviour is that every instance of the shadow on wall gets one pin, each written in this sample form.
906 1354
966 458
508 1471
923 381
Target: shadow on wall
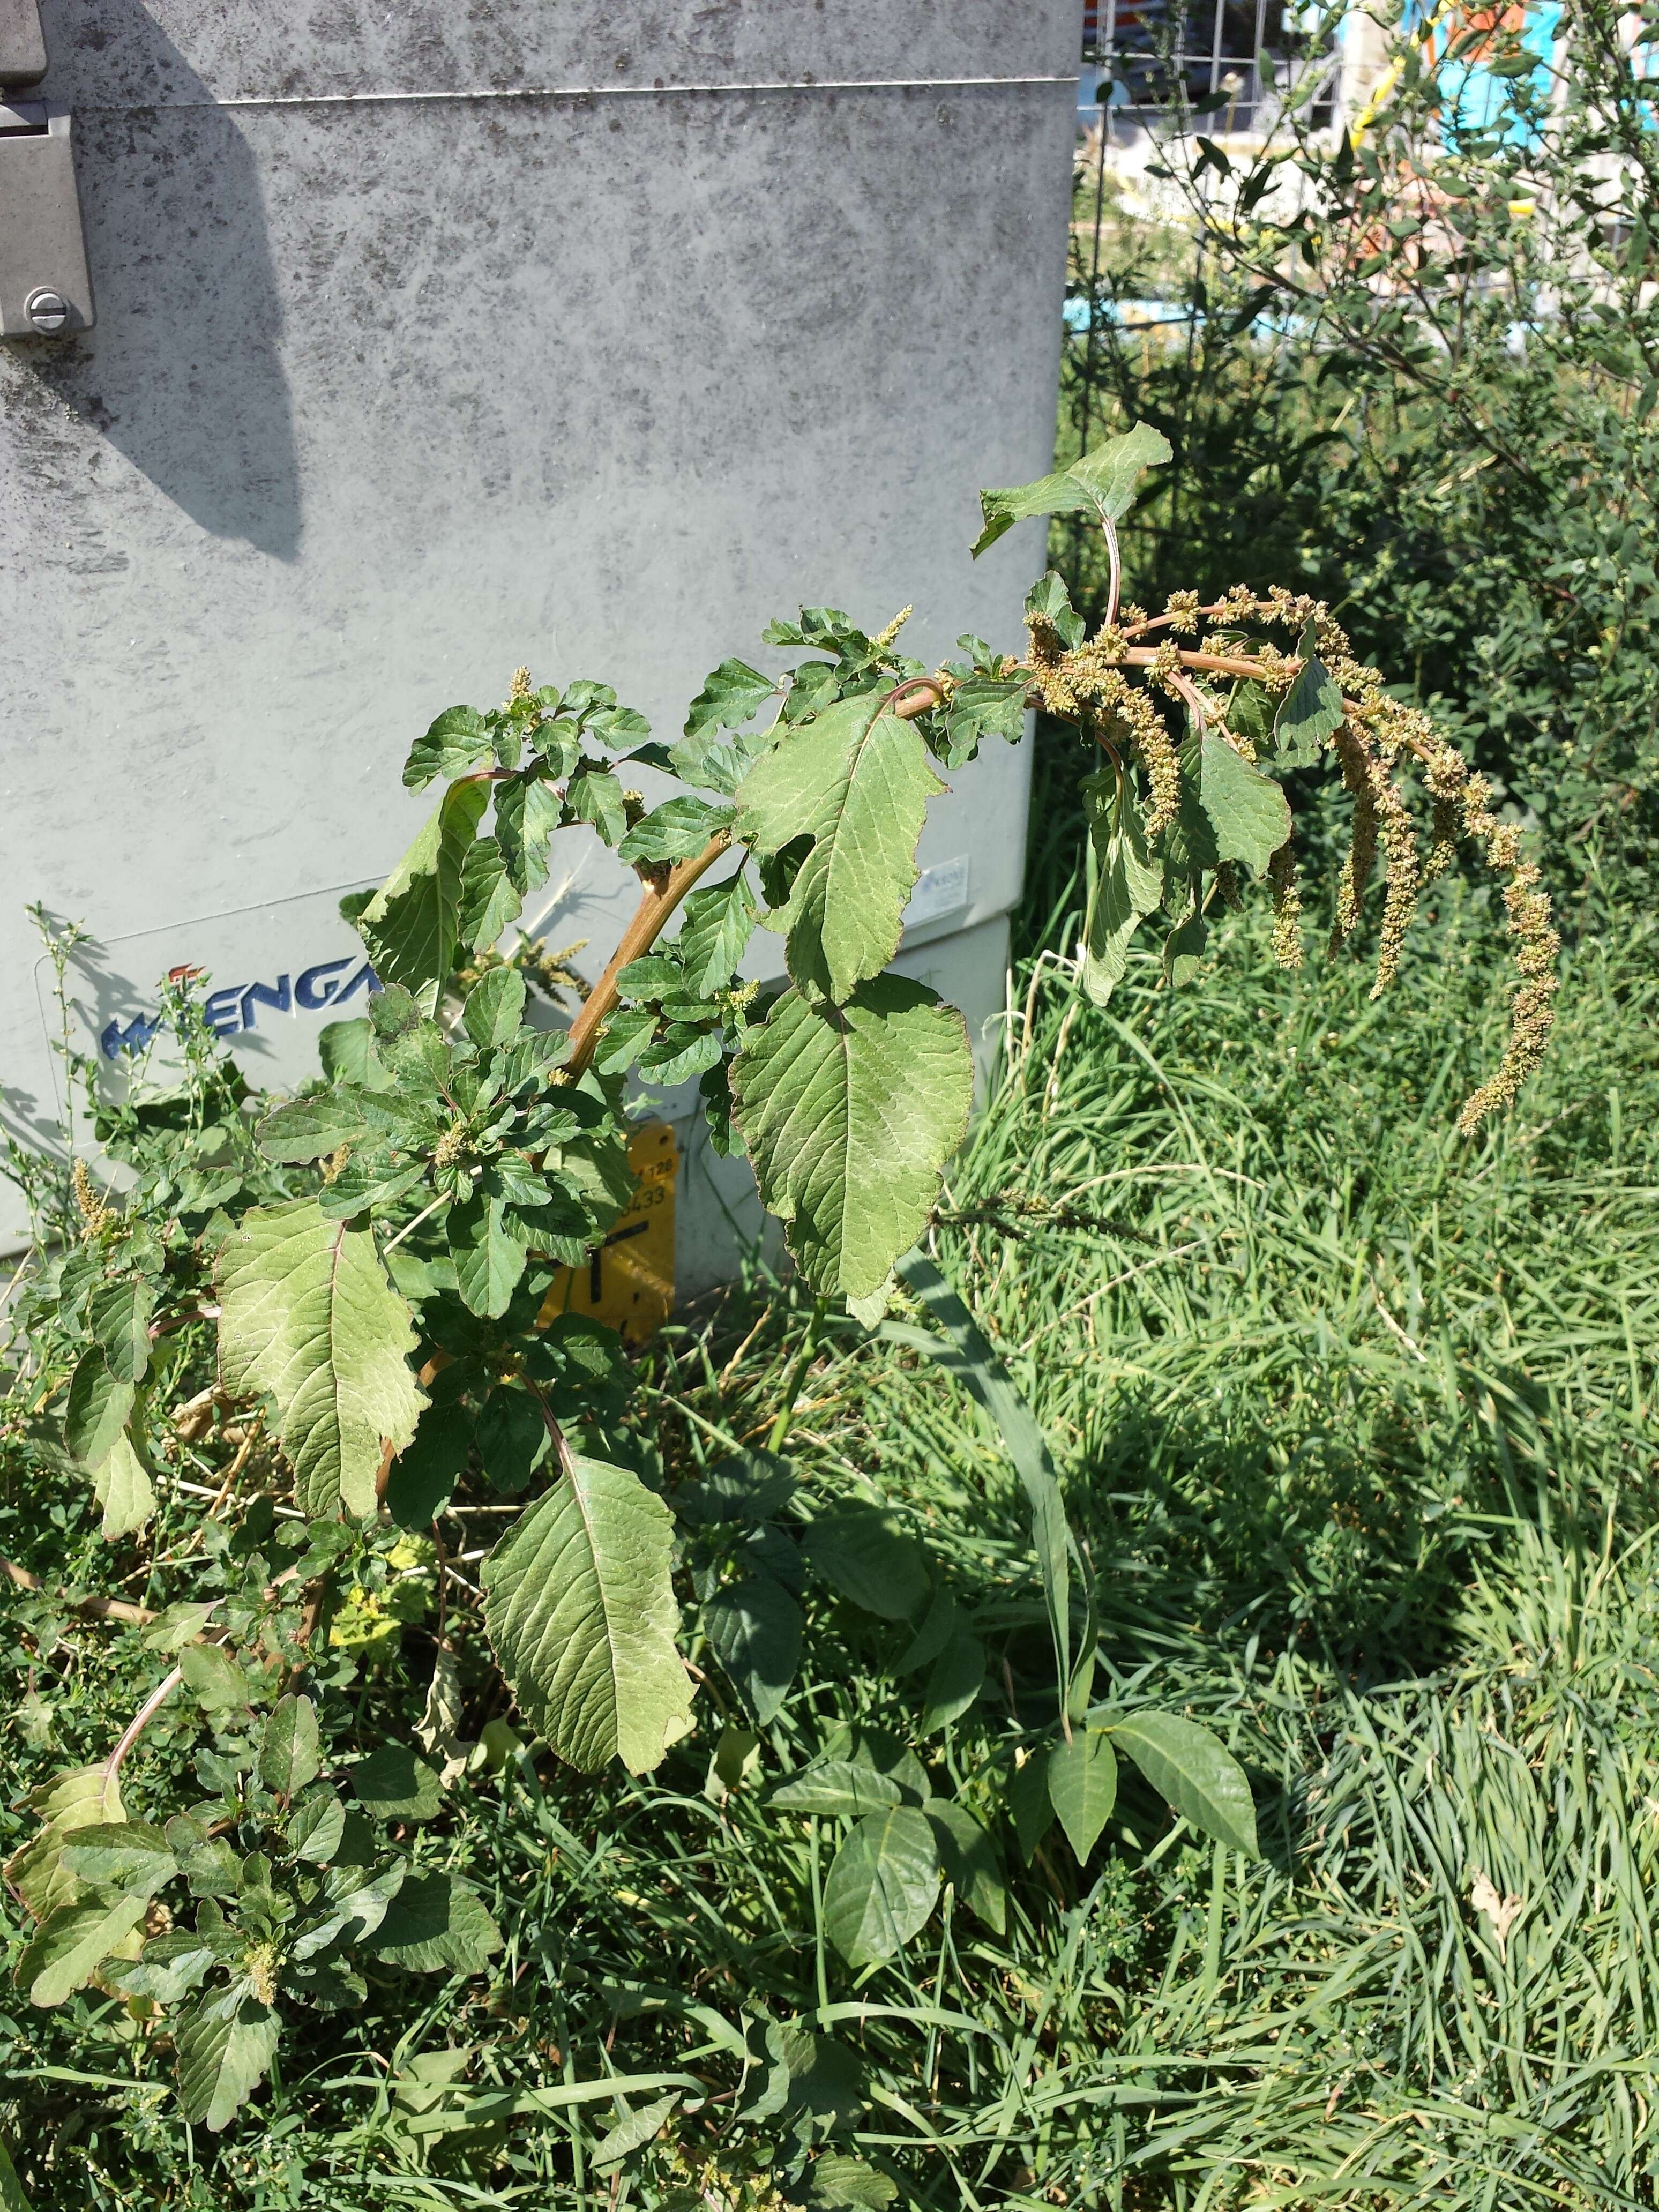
183 373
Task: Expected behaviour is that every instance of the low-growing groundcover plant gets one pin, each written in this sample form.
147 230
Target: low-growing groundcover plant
334 1309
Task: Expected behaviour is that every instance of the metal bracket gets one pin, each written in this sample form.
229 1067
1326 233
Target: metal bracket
45 290
23 44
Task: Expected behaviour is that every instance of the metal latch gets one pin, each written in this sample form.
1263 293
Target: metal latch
44 289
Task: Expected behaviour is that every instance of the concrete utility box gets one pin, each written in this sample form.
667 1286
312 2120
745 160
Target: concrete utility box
430 340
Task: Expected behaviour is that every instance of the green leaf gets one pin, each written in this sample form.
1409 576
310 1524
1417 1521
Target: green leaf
939 1625
1127 883
289 1755
120 1855
857 780
1083 1787
425 1472
118 1316
954 1683
719 921
984 707
306 1314
72 1943
1183 948
632 2133
489 1255
494 1008
623 1037
528 809
1310 712
1104 480
596 796
225 2043
1050 598
394 1785
676 830
457 741
754 1626
867 1555
346 1050
844 1788
99 1405
581 1610
310 1128
213 1677
1248 812
490 898
969 1357
1029 1804
12 2198
841 2183
732 695
316 1828
682 1053
78 1799
436 1922
122 1487
883 1885
409 925
848 1114
969 1861
1190 1767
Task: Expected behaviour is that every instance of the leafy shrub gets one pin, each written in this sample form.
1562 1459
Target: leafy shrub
335 1311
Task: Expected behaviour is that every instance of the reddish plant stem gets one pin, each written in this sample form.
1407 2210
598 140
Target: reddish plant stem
651 918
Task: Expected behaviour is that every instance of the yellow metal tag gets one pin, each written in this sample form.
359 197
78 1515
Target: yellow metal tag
629 1281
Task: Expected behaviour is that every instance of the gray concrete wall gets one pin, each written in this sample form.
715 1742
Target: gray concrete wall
434 340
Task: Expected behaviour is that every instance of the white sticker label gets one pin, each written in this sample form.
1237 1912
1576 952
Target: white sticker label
940 889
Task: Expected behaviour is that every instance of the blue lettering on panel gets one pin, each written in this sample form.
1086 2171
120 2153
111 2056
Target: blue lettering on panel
316 986
263 994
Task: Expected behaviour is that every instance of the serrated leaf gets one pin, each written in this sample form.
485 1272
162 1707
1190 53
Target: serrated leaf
1126 885
494 1008
1104 481
1310 712
754 1628
394 1785
290 1750
842 1788
867 1555
841 2183
72 1943
118 1316
1050 598
581 1610
409 925
1083 1787
1248 812
306 1314
882 1886
99 1405
80 1798
680 1054
489 1253
122 1485
676 830
1193 1769
718 921
490 899
225 2043
595 796
968 1859
436 1923
213 1677
513 1436
457 741
624 1038
848 1114
984 707
732 695
857 780
346 1050
310 1128
954 1682
120 1855
528 809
